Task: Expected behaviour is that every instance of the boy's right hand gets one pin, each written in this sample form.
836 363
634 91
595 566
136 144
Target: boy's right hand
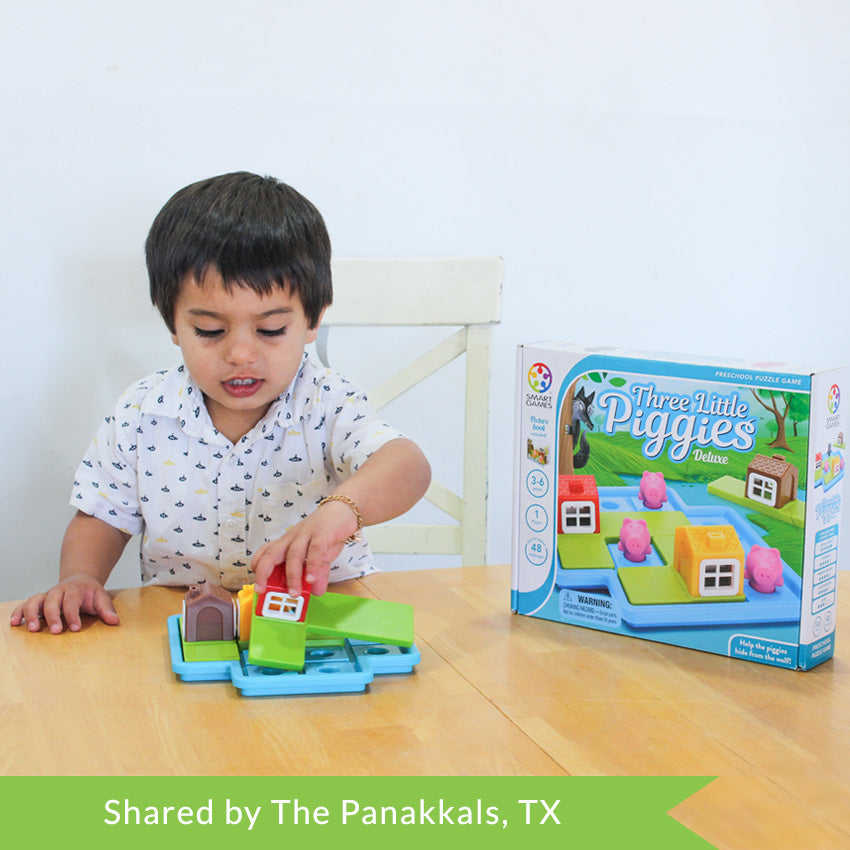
62 605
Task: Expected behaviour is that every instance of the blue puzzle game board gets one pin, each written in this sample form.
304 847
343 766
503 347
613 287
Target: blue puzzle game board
330 667
781 606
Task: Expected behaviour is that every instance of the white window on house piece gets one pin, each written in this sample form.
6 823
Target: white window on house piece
282 606
761 489
578 517
719 577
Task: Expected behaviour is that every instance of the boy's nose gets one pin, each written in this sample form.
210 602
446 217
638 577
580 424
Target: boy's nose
241 350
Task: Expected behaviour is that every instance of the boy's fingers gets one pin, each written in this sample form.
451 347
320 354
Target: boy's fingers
313 559
263 567
320 582
258 565
295 556
30 612
62 606
104 608
317 564
35 614
258 556
54 603
70 606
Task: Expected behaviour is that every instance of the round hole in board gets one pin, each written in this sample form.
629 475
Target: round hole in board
320 653
377 650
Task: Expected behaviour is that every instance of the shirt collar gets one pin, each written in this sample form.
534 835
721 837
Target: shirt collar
178 396
282 411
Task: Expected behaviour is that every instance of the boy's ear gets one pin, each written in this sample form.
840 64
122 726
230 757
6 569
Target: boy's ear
175 340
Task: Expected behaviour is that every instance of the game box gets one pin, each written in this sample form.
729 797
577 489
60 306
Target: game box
692 501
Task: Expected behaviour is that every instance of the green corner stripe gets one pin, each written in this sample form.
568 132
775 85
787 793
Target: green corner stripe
334 812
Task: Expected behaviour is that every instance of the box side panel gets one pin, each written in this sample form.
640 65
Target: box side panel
517 464
535 477
830 402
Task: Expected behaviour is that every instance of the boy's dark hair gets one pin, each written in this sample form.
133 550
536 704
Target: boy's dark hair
256 231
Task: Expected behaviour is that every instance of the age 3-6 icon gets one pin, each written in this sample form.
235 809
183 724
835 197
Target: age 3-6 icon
537 483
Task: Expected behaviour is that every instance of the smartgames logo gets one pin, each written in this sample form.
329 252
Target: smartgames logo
833 399
540 381
833 402
540 377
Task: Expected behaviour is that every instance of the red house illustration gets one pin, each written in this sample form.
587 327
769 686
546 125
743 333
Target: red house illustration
578 505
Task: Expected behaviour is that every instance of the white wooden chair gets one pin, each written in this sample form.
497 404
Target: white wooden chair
463 293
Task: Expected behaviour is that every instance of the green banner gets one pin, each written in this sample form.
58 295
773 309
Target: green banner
337 812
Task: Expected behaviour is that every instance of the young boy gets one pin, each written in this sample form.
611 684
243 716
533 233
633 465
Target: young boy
248 454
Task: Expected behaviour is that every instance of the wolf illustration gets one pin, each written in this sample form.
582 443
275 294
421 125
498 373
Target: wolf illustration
580 416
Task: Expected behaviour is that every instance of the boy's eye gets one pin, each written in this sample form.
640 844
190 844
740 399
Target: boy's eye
208 334
272 331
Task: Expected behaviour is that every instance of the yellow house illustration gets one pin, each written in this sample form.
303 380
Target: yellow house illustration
710 559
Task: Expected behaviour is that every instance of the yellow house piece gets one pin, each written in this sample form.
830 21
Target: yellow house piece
710 559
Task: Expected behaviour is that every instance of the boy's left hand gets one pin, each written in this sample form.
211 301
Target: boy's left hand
307 549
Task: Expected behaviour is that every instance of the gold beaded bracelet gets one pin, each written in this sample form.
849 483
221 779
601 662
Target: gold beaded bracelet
341 497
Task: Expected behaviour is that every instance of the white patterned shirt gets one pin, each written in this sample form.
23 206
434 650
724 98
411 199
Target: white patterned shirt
157 466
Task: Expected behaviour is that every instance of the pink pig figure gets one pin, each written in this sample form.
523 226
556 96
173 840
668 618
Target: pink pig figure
763 569
653 490
634 539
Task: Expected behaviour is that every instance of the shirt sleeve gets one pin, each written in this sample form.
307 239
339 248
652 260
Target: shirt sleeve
356 430
106 482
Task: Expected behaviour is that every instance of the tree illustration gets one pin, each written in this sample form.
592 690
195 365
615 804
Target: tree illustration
778 404
799 410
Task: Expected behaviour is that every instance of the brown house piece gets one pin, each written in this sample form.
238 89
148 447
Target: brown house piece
207 613
771 481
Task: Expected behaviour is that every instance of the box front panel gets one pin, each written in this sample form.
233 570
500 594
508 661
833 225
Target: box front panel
699 475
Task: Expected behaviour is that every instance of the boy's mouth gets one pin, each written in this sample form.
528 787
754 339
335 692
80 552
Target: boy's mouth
242 387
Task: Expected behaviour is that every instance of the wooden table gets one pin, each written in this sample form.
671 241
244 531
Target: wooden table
494 693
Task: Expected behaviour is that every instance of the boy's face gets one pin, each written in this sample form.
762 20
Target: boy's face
241 348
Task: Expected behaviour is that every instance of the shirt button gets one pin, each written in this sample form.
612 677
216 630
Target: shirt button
231 525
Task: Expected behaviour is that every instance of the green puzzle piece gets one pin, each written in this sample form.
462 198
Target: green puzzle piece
208 650
276 643
657 522
339 615
280 643
734 490
584 552
661 586
590 551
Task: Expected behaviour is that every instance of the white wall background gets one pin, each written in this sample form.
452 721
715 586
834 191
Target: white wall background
660 171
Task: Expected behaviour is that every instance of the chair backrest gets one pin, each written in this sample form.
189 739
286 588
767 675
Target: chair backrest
459 292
